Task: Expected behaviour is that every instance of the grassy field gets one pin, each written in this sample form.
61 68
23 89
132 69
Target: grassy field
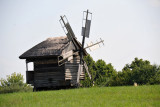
125 96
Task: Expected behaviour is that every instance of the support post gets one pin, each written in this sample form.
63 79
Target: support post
26 65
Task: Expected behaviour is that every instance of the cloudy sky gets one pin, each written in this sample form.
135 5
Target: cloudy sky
130 28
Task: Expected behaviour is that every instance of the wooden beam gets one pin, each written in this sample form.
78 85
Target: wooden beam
26 65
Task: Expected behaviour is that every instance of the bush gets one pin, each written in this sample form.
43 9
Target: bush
139 71
14 83
101 73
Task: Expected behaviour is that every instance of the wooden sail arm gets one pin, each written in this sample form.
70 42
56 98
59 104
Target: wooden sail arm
60 61
102 41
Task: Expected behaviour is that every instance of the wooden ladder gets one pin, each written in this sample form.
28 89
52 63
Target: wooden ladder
80 69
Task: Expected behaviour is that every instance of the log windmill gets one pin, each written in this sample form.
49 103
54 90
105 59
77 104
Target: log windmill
86 23
58 61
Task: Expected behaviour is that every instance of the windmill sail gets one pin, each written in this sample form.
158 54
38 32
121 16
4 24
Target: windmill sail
93 47
70 33
85 31
68 30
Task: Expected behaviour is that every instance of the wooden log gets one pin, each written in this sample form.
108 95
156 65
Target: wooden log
47 61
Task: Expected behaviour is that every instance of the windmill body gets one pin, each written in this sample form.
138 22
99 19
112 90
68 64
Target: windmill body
58 61
86 23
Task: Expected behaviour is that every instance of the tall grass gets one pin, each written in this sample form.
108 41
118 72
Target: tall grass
141 96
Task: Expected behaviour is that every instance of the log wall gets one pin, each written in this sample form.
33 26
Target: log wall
71 70
47 73
49 77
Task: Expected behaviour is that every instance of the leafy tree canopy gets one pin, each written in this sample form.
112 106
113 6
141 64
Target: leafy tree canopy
12 79
14 83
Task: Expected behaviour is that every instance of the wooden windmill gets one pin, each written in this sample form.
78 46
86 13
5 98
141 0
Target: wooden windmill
86 24
58 61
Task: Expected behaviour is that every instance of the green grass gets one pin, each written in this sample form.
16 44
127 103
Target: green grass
124 96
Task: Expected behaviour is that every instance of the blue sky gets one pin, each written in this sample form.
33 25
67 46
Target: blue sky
130 28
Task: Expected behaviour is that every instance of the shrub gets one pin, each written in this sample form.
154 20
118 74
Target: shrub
14 83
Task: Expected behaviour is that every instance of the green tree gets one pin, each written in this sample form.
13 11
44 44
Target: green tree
155 79
101 72
12 80
14 83
91 68
140 71
104 73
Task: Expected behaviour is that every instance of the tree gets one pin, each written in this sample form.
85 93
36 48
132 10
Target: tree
155 79
13 79
140 71
91 68
14 83
104 73
101 72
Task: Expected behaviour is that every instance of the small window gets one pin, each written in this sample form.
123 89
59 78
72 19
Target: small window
30 66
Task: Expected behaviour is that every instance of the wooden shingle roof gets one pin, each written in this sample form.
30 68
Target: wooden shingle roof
50 47
54 46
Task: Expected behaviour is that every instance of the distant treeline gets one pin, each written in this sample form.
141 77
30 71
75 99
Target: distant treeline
139 71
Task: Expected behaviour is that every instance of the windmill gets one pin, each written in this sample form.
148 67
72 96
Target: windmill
86 23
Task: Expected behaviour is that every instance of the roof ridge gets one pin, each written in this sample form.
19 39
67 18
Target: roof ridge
52 38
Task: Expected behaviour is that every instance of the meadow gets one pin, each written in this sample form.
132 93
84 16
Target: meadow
122 96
